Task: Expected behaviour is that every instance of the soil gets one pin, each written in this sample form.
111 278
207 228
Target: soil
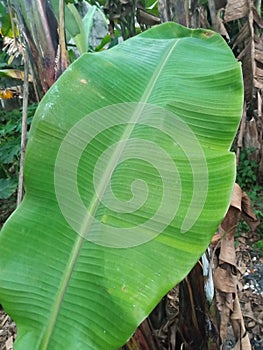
7 331
250 263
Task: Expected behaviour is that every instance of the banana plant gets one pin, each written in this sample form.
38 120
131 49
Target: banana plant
128 173
86 25
42 25
38 26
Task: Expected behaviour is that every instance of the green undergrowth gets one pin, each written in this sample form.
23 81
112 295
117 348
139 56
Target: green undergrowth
247 171
10 140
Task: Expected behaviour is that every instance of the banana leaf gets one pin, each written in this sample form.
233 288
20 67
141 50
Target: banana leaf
128 174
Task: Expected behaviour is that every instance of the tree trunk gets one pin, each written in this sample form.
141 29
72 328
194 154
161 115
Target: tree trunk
42 35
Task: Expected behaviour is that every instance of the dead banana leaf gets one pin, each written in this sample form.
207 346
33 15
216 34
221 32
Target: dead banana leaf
15 74
146 18
224 281
225 273
248 213
257 17
243 342
248 42
236 9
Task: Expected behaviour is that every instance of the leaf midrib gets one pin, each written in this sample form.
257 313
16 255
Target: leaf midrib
45 339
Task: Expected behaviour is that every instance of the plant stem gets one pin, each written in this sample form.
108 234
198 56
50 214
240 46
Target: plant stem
12 21
62 53
24 130
258 6
241 133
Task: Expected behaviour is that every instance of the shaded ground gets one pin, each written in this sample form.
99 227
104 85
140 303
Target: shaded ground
7 206
250 263
7 331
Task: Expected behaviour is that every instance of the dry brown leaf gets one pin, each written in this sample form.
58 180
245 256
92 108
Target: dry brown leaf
257 17
225 274
227 251
258 43
236 9
224 281
224 311
236 197
248 43
202 18
243 34
237 313
244 344
9 344
251 141
248 213
220 27
259 78
247 59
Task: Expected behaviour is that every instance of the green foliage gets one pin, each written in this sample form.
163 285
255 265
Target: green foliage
259 246
247 170
151 6
128 174
257 200
10 139
257 203
82 38
10 134
86 26
5 21
247 179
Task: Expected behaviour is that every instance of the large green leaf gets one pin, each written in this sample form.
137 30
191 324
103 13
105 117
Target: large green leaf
86 24
128 174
